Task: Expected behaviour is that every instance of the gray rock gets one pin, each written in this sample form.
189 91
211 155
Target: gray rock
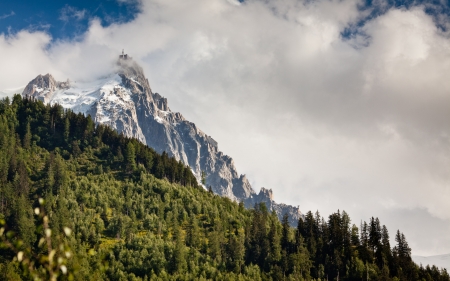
127 104
36 88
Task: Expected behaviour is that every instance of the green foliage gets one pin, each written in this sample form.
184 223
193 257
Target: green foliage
139 215
45 261
203 176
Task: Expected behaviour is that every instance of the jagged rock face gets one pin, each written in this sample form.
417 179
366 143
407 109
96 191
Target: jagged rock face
266 196
43 87
125 102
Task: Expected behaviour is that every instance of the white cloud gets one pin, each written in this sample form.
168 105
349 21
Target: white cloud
68 13
4 16
301 110
23 55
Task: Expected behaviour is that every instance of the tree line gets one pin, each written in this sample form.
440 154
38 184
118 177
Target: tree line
137 215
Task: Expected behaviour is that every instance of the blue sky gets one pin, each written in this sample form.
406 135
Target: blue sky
63 19
69 19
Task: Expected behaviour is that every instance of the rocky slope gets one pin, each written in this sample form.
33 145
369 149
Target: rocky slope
125 101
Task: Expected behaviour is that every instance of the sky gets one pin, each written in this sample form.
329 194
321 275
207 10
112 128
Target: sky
333 104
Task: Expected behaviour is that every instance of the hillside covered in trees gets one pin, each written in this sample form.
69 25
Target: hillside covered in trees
81 202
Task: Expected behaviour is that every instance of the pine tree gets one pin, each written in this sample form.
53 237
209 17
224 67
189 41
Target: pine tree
258 243
404 251
274 240
374 234
60 173
285 229
386 247
66 132
355 236
302 263
364 235
311 231
50 173
300 231
76 148
286 245
192 233
179 253
27 137
130 157
214 249
236 250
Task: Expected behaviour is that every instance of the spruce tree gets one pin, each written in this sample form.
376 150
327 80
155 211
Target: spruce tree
66 132
355 236
274 238
193 233
27 137
130 157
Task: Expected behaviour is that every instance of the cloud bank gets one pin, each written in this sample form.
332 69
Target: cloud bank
327 121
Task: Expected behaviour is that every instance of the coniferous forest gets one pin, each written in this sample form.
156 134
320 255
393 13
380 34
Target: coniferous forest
79 201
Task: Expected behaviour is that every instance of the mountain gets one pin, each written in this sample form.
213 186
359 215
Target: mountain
441 261
125 102
83 202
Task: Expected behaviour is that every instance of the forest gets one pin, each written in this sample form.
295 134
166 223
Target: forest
79 201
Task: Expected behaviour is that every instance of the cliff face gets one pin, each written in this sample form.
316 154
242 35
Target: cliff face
44 87
266 196
125 101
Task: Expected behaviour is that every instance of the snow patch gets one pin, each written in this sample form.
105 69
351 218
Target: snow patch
159 119
134 80
83 94
37 89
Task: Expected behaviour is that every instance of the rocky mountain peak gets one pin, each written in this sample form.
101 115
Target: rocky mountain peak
124 101
161 102
266 193
46 80
132 70
42 87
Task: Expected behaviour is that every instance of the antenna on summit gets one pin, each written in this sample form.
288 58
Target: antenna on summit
124 56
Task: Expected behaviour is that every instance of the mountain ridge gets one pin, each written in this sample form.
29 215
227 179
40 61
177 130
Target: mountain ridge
125 101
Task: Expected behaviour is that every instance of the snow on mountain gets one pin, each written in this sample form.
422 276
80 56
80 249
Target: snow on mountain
125 102
441 261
